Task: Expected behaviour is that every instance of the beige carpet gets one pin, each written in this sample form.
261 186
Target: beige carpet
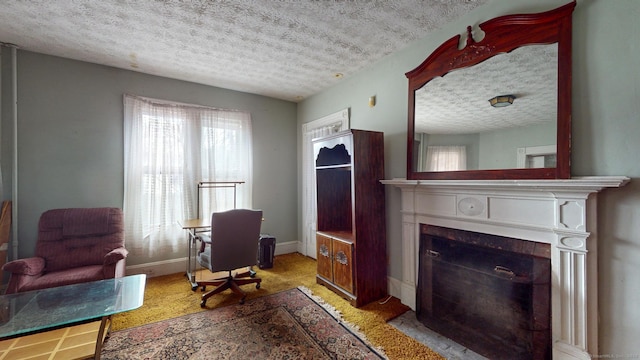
171 296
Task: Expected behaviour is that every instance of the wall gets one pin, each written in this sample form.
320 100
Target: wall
6 114
606 126
498 148
70 141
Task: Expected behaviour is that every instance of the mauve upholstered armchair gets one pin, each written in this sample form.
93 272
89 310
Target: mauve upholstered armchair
73 246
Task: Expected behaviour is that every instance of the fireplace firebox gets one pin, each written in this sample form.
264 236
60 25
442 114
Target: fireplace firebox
486 292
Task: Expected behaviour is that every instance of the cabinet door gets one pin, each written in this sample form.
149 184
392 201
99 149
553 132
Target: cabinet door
323 256
343 265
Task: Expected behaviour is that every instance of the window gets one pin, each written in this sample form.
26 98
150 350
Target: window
168 149
446 158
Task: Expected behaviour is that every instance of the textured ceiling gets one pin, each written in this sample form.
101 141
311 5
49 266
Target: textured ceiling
283 49
457 103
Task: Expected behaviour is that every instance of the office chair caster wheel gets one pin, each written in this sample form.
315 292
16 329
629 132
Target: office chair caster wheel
258 286
203 303
193 288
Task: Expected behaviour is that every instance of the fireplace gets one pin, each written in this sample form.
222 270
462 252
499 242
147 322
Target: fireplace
486 292
558 213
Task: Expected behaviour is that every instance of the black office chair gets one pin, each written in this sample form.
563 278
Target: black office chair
233 245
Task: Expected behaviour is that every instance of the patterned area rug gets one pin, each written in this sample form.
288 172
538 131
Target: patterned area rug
292 324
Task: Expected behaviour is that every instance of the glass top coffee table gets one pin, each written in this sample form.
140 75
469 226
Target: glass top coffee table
33 312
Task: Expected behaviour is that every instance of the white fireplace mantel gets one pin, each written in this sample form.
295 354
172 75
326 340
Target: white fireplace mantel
561 213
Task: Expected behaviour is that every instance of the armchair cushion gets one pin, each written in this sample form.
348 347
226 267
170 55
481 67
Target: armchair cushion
63 248
85 222
64 277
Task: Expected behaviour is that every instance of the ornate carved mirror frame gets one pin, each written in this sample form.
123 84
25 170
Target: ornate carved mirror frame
502 35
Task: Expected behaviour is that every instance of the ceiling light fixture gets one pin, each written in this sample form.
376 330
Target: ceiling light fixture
502 100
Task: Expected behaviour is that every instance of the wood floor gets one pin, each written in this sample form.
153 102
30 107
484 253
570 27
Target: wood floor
75 342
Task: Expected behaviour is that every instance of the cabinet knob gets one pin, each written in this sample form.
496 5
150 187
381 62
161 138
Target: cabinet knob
341 257
324 250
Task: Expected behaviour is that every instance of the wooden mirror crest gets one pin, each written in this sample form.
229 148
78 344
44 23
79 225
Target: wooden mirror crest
497 108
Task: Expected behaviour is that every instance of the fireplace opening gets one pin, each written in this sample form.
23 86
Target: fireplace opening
488 293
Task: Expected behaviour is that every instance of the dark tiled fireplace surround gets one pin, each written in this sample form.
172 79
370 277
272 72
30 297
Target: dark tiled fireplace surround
558 213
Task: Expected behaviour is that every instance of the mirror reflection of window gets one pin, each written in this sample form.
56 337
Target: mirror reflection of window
541 161
446 158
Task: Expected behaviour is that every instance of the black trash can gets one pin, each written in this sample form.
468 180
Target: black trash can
266 250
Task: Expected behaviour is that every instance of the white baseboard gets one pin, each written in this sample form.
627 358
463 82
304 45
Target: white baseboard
287 247
159 268
394 287
166 267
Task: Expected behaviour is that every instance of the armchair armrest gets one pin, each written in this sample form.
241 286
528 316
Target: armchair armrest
26 266
115 255
114 263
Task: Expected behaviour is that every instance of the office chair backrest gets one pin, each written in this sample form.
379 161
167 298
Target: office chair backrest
234 238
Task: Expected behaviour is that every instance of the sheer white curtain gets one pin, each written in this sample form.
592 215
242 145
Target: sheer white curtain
170 147
446 158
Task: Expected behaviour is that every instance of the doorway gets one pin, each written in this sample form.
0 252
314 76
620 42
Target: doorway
324 126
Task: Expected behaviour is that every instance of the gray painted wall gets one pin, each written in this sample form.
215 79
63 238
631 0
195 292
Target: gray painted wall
70 141
606 128
498 149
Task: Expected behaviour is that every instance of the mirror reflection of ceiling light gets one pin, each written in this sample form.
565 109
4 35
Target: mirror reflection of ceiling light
502 100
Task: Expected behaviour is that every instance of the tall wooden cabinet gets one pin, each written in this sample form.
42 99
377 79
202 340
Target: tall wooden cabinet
351 239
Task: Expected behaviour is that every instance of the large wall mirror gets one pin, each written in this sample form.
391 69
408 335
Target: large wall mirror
496 104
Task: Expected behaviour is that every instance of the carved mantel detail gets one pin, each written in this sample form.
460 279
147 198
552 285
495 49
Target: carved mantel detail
561 213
